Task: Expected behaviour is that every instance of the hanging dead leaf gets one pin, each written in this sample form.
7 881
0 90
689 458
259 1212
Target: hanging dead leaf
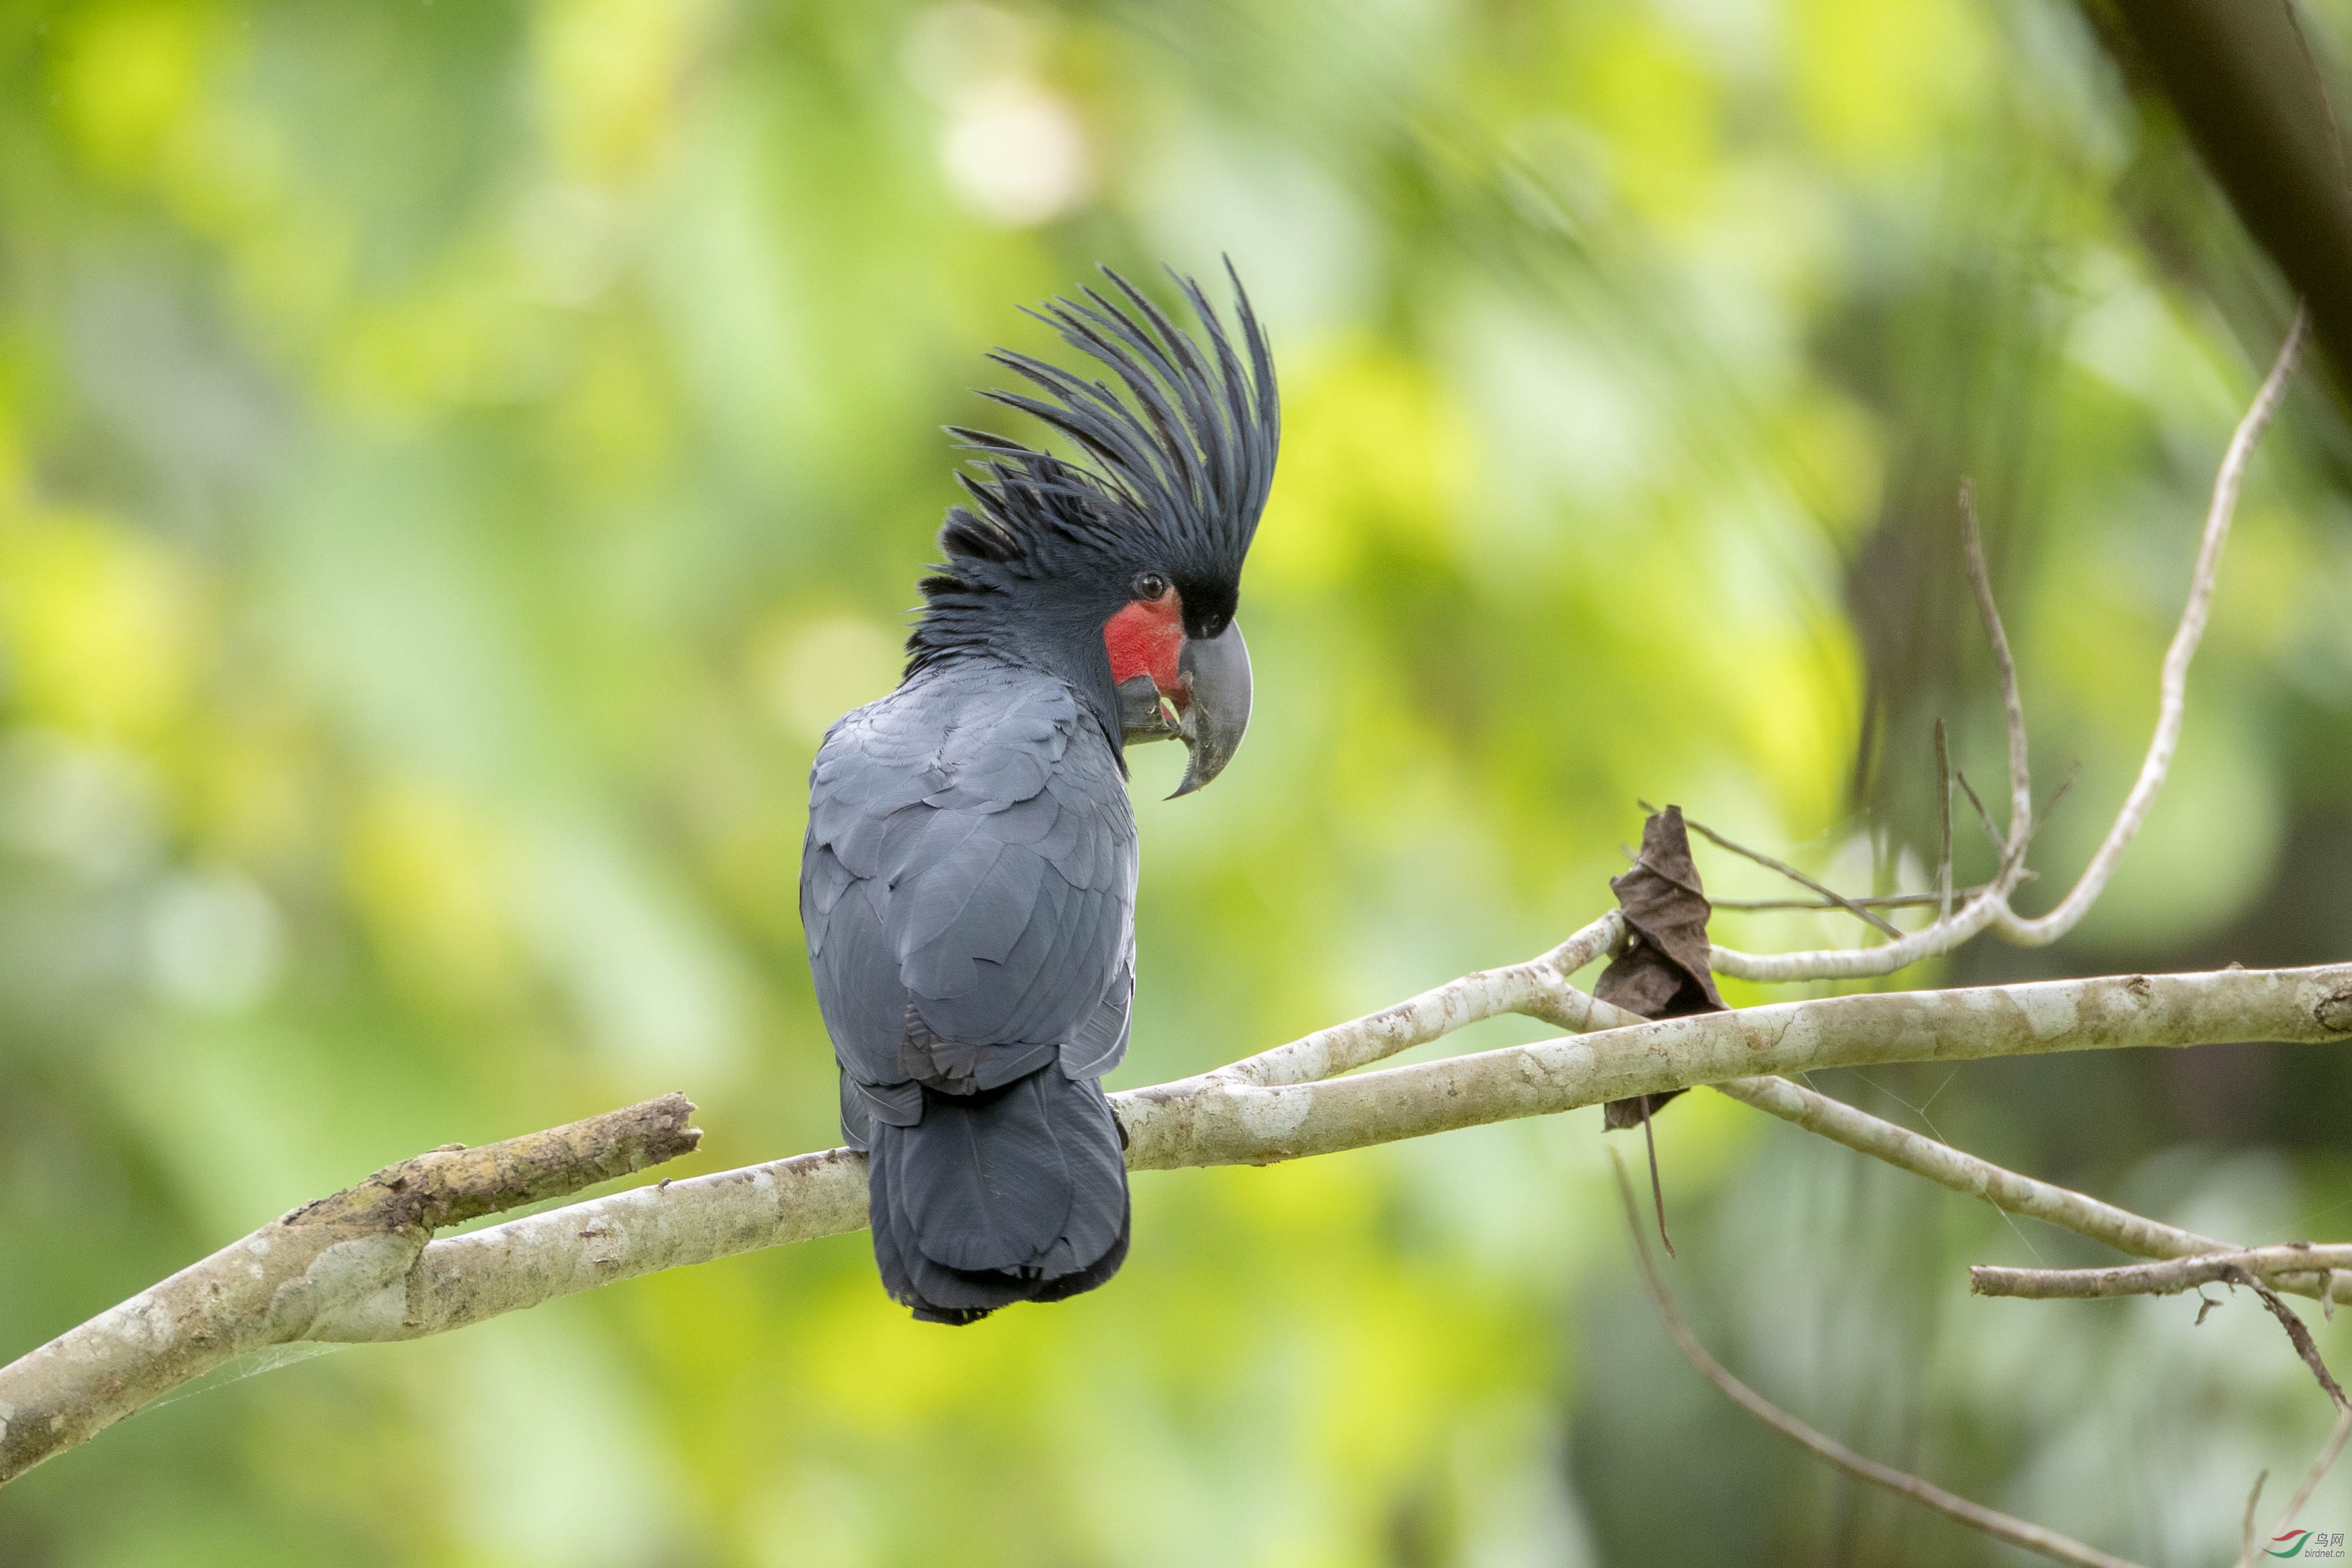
1661 971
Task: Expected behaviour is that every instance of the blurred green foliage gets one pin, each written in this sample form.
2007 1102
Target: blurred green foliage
454 460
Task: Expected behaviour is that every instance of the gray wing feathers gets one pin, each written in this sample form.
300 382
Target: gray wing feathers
857 987
864 1104
975 826
1101 1045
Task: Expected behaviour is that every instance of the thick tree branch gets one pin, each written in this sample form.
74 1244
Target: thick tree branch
1228 1125
1873 901
1371 1039
530 1262
1207 1120
278 1284
357 1268
1539 988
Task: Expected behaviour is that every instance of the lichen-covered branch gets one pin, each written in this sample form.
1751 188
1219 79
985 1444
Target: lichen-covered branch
359 1267
1235 1125
279 1283
1538 988
462 1280
1208 1120
1369 1040
2277 1265
2004 1189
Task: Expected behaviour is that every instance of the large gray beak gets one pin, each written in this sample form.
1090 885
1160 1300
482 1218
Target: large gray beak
1215 675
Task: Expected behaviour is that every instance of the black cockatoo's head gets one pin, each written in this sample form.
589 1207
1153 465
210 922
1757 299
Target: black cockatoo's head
1121 571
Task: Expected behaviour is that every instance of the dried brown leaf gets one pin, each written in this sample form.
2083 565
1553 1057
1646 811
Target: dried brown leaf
1661 970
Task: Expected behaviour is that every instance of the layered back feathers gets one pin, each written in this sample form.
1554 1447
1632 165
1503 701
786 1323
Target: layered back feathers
1171 475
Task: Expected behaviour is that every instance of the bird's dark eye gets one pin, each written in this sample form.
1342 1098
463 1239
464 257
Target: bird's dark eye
1151 585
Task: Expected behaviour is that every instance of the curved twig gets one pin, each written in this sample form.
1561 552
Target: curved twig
1989 909
1902 1483
2004 1189
2172 704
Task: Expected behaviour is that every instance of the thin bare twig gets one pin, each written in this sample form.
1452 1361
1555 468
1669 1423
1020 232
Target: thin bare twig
1993 830
1939 901
2066 782
1978 912
2004 1189
2173 686
2246 1530
1991 909
2012 702
1856 908
2292 1260
1874 902
1657 1188
1943 803
1975 1516
2326 101
2320 1466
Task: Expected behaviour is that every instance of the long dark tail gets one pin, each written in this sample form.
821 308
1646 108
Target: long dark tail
1017 1193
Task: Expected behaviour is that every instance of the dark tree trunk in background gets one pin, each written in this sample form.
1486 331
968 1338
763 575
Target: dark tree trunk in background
2251 96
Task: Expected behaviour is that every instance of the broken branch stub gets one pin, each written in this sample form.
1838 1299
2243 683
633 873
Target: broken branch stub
276 1285
453 1183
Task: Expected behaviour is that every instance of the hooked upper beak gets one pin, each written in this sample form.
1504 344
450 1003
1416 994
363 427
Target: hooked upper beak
1211 702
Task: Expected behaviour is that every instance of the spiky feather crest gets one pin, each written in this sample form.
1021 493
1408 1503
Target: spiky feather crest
1171 476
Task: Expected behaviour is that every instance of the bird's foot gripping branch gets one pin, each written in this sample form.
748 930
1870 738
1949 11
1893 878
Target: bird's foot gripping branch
364 1266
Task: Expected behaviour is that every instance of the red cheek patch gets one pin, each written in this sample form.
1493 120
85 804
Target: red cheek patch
1144 639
